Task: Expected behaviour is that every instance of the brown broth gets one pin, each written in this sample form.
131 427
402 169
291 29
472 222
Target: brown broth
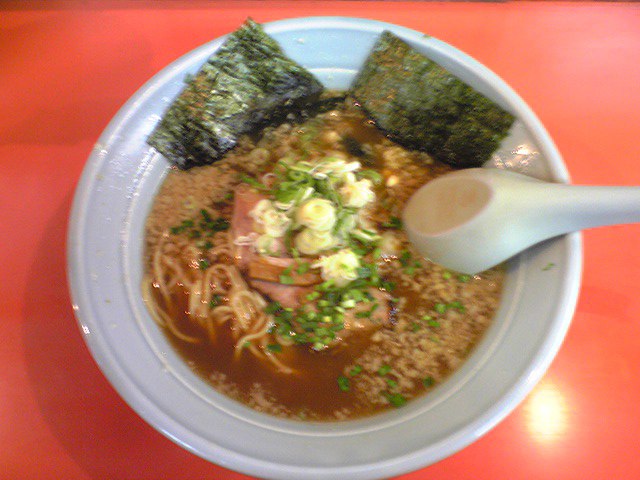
312 392
418 352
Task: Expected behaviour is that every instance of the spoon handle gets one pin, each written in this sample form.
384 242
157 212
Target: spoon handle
575 208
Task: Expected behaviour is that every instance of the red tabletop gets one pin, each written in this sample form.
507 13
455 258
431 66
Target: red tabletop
65 70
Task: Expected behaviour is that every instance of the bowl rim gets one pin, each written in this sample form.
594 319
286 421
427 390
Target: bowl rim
175 431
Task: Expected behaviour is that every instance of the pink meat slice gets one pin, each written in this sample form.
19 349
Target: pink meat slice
272 269
289 296
245 198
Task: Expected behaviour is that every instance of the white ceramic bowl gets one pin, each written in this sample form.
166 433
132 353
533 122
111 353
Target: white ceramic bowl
105 271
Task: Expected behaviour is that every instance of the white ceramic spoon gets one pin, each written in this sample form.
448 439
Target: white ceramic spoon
471 220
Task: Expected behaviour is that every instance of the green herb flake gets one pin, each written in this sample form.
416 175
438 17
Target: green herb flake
207 245
548 266
396 399
410 270
303 268
464 278
392 383
405 258
274 347
273 307
205 215
355 370
440 308
312 296
215 301
364 272
428 382
388 286
343 383
458 306
286 279
394 222
446 275
384 369
434 323
415 326
217 225
253 182
203 264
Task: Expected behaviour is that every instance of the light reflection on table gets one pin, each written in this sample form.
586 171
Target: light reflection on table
546 413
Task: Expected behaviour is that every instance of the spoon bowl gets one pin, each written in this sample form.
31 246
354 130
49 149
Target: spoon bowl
474 219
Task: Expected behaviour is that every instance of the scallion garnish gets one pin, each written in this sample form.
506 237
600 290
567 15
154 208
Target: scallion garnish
343 383
394 222
395 399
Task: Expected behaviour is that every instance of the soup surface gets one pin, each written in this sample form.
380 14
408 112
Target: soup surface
282 276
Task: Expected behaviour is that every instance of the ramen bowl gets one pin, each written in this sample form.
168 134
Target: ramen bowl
105 267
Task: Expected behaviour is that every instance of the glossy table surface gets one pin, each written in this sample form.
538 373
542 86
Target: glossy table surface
65 70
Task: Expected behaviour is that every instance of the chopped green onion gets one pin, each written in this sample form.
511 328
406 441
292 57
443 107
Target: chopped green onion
388 286
384 369
404 258
312 296
395 399
343 383
203 264
364 272
428 382
253 182
458 306
286 279
394 222
215 301
207 245
273 307
440 308
364 236
355 370
372 175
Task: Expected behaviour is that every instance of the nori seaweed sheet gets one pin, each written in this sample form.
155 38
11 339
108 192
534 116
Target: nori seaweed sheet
247 83
422 106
